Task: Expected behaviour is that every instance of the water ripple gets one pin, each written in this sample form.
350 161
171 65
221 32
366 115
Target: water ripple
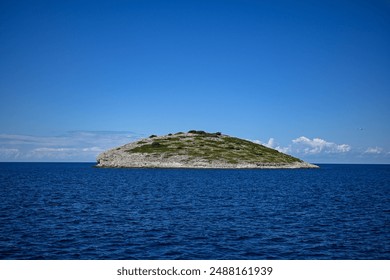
74 211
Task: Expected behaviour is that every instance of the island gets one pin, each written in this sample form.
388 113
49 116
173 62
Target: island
197 149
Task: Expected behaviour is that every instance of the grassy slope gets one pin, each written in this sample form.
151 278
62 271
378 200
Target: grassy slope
211 147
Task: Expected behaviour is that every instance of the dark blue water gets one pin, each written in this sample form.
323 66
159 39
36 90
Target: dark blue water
74 211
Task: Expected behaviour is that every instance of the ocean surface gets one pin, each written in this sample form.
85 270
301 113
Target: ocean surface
75 211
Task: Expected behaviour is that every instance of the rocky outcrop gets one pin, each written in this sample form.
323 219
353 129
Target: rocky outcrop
197 149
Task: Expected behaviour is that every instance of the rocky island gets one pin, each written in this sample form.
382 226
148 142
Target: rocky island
197 149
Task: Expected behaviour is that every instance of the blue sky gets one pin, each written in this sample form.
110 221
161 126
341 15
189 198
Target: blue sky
310 78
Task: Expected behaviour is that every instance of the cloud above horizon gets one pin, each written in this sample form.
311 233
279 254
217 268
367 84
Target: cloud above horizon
307 146
373 150
318 145
323 150
71 146
86 145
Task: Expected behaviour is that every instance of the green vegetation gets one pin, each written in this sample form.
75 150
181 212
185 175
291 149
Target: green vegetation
210 147
203 133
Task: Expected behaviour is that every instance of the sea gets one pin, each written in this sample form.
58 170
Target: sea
73 211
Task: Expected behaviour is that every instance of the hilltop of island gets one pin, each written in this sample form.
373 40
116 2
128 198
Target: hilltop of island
197 149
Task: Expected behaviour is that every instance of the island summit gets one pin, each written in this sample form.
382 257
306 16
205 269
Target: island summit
197 149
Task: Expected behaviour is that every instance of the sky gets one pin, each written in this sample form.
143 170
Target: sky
309 78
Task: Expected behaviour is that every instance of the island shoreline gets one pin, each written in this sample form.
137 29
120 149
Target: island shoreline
198 150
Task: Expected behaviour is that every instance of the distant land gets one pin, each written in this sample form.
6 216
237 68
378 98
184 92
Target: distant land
197 149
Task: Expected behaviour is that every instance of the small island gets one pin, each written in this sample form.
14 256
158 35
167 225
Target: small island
197 149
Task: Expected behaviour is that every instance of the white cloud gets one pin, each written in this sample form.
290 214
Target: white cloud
93 149
45 153
285 150
373 150
273 145
256 141
7 153
321 150
318 145
53 150
270 143
72 146
306 146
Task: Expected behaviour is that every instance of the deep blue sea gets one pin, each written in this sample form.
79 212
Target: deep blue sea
76 211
